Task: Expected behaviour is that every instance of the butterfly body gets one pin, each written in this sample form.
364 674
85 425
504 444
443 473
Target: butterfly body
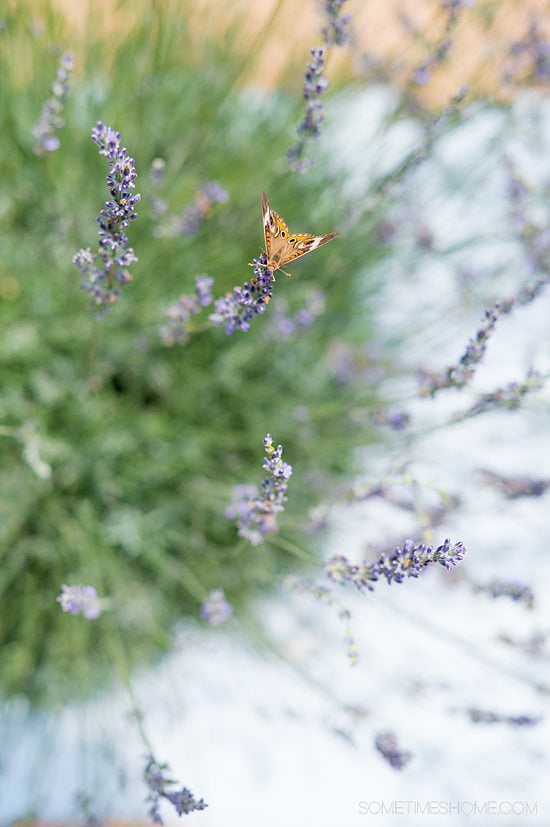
282 246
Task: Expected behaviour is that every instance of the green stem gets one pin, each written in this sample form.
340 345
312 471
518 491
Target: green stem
291 548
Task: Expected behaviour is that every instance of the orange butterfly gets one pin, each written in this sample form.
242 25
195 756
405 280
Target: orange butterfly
282 246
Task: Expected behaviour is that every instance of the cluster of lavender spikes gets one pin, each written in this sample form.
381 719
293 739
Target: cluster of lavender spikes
237 309
180 312
386 744
159 785
104 273
408 560
80 600
216 609
457 376
50 120
256 511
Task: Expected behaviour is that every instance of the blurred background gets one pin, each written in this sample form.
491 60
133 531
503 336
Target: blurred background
120 450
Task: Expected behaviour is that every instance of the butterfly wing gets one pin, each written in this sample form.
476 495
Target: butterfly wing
275 234
302 243
282 246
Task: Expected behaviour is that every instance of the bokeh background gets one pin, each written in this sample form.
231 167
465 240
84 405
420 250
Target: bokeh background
119 454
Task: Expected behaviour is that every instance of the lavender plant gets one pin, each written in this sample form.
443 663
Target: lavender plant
181 312
408 560
160 787
480 716
236 309
216 609
336 32
124 477
80 600
51 121
386 744
255 510
519 592
104 273
189 221
457 376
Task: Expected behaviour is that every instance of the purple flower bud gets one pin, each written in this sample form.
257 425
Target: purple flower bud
80 600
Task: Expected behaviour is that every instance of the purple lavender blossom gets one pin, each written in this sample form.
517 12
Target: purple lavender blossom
422 74
457 376
508 397
191 219
408 560
519 592
216 609
386 744
104 273
336 32
80 600
393 418
50 120
237 309
256 510
481 716
180 312
310 127
534 235
159 785
532 54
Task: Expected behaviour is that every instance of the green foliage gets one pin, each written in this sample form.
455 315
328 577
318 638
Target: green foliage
145 443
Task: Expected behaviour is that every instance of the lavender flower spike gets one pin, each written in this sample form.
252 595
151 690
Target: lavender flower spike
159 785
408 560
310 127
50 120
237 309
80 600
386 744
519 592
191 219
180 312
457 376
255 511
216 609
336 32
104 273
482 716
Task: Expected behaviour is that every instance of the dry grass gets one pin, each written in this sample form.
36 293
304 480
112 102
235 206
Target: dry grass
281 31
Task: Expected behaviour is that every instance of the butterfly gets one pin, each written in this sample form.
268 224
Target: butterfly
282 246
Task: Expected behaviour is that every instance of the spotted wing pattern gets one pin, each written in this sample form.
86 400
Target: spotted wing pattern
282 246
